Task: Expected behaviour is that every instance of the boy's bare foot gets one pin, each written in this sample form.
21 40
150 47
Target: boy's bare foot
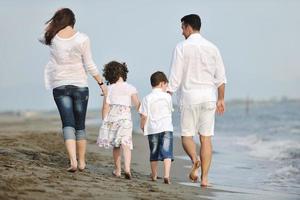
194 172
72 169
116 174
153 177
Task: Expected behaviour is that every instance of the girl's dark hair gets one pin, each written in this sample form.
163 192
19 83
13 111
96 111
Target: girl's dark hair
60 20
114 70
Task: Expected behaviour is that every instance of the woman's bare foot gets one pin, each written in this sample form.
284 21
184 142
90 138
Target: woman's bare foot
194 172
73 167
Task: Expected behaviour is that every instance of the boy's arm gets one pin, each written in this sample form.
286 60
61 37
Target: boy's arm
105 108
143 121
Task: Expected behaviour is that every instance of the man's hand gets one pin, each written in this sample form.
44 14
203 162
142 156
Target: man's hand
220 106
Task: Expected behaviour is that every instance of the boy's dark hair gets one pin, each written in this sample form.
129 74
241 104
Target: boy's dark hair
193 20
114 70
158 77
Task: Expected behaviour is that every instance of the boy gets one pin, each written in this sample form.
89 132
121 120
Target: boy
156 123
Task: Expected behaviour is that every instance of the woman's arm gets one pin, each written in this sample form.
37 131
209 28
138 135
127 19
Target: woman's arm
101 84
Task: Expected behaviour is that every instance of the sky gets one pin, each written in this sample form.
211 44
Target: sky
259 42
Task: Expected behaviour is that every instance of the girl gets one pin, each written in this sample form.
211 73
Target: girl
66 74
116 129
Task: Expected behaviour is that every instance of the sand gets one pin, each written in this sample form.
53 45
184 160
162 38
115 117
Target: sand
33 164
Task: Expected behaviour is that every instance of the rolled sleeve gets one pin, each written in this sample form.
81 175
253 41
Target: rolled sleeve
89 64
220 76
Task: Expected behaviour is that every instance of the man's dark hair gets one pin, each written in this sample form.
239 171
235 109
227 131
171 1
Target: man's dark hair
114 70
193 20
158 77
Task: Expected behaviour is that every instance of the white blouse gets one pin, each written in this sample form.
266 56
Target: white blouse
120 94
70 61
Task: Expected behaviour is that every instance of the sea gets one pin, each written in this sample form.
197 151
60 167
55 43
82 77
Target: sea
256 150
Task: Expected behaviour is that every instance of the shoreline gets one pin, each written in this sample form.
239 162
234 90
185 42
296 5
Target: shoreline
33 165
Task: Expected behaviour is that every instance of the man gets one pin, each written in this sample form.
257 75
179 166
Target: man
198 74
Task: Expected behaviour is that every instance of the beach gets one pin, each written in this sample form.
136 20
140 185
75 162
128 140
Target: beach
255 156
33 164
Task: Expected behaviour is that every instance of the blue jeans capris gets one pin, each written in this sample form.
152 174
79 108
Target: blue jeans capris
72 103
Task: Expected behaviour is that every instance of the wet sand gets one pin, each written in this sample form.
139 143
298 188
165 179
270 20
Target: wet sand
33 164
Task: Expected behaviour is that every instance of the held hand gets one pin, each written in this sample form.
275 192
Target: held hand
170 93
220 107
104 90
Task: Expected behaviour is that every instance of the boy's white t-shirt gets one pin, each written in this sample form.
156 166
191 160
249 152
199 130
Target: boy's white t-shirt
120 93
157 106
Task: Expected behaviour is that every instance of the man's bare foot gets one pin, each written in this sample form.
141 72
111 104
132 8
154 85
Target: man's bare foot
194 172
204 182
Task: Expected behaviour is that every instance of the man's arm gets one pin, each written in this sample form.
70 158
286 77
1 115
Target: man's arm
221 101
176 70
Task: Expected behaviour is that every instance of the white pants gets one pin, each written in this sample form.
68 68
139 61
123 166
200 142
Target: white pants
199 118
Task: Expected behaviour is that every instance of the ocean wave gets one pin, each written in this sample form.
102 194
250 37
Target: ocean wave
265 148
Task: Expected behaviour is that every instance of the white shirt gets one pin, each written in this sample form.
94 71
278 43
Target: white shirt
120 93
197 70
157 106
70 61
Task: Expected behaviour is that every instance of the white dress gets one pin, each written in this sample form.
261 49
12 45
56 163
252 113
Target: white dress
116 128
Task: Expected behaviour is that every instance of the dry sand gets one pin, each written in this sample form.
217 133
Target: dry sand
33 164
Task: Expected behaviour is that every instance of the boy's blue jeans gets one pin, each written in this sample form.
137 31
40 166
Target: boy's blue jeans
161 146
72 103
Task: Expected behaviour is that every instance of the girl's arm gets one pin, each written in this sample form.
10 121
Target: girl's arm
105 108
135 101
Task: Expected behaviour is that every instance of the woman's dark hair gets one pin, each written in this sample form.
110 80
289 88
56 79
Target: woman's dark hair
158 77
193 20
114 70
60 20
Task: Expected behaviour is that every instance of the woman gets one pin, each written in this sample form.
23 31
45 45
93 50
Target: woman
66 74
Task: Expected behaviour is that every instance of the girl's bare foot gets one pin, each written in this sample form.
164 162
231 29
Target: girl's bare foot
128 175
167 180
81 166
